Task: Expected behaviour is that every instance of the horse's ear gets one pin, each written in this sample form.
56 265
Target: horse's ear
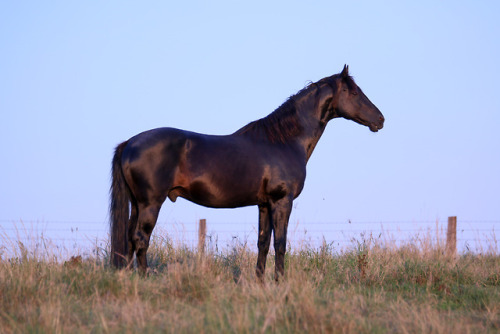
345 72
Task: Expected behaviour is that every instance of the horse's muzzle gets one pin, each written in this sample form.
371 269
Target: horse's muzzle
374 127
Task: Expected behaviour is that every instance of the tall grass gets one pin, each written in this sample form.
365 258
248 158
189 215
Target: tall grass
372 287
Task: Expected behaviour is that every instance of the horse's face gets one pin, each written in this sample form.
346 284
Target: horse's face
353 104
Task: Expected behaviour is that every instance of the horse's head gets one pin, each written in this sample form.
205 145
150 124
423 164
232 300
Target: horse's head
351 103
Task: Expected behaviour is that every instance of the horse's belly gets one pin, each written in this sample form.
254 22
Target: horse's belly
216 194
222 194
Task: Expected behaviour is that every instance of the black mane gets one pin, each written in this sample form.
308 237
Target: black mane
276 127
280 125
283 123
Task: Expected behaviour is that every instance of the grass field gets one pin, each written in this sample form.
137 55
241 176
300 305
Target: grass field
371 287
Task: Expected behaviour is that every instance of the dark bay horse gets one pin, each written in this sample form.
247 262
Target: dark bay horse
263 164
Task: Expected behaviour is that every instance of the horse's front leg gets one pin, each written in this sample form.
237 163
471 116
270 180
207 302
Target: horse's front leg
265 229
280 213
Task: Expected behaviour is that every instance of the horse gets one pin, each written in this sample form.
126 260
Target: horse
262 164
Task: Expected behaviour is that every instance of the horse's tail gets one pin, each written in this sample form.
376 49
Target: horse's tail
119 210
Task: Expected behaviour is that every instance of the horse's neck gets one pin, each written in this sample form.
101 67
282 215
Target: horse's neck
309 139
312 129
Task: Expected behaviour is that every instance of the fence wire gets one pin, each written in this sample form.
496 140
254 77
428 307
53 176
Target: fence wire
471 234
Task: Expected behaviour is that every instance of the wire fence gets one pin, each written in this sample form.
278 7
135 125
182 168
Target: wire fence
472 235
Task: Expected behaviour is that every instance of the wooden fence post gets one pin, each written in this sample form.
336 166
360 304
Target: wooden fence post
202 234
451 236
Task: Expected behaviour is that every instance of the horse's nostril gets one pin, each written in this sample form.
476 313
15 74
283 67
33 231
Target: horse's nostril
381 118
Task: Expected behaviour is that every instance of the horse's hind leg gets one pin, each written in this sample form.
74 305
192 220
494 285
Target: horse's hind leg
145 224
132 224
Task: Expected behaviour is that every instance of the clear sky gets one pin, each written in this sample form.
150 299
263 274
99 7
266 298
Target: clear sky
77 78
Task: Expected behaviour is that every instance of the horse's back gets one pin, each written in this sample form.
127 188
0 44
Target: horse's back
153 137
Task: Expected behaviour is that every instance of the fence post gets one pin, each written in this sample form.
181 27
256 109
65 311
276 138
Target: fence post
202 233
451 236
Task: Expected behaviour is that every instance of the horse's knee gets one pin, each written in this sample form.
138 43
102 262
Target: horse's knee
280 246
263 243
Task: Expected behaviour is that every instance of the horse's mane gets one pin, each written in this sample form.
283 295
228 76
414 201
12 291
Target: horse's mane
280 125
276 127
283 123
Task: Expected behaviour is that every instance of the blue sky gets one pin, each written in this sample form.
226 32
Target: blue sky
77 78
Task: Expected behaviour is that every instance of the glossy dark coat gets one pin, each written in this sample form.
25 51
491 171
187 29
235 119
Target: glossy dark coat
263 164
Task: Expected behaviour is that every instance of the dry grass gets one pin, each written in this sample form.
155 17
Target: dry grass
371 288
